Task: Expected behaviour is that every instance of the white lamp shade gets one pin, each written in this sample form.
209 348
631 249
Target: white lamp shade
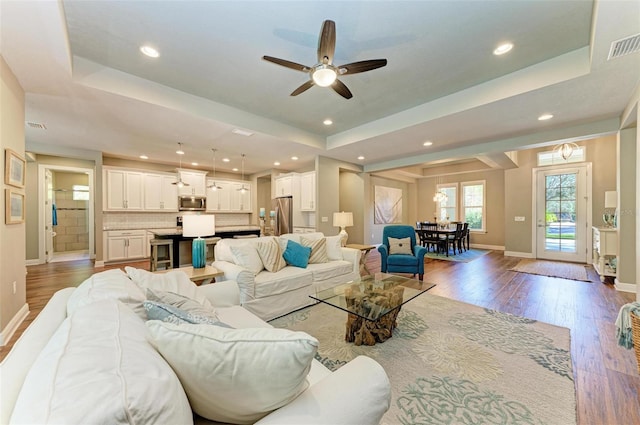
610 199
342 219
198 225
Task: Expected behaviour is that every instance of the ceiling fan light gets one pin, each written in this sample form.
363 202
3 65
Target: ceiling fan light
324 76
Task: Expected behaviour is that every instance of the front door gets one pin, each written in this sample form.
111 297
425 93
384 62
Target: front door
561 214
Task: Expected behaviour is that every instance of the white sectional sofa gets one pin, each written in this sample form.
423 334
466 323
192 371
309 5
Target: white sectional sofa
89 358
269 295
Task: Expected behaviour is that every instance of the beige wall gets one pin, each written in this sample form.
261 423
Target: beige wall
373 231
627 193
601 152
328 191
352 199
12 236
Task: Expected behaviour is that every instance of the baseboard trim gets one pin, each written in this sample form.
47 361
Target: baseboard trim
625 287
519 254
99 263
12 326
33 262
481 246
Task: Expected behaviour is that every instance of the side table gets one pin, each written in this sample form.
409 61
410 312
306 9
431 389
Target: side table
203 275
363 258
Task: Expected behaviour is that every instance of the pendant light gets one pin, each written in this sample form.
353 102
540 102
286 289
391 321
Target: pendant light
180 183
566 150
242 188
214 186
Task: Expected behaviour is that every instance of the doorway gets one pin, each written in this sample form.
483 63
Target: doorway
562 211
66 214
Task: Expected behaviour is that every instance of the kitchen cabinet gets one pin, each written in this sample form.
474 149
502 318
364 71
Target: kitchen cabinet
124 190
241 200
308 191
229 198
196 181
160 194
605 251
124 244
284 185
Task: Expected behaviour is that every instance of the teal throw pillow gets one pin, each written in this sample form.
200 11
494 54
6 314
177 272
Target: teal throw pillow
296 254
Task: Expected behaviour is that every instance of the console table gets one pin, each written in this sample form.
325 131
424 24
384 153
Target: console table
605 251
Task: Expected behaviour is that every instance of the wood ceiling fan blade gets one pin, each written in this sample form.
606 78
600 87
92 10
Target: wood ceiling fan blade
339 87
327 42
287 64
306 86
362 66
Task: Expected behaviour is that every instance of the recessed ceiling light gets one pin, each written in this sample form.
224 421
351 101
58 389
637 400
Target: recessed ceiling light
144 157
180 152
149 51
361 157
195 164
242 132
234 169
295 158
427 143
327 122
545 117
503 48
276 163
225 159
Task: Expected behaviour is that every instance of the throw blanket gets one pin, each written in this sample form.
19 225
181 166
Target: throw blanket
623 324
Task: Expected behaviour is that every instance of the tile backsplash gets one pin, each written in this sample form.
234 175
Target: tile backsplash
146 220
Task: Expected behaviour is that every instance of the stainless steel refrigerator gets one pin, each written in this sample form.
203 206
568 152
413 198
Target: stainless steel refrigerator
283 206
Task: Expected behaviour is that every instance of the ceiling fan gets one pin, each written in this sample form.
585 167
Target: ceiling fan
325 73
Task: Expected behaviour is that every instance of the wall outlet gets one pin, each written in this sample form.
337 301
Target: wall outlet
15 287
325 219
519 218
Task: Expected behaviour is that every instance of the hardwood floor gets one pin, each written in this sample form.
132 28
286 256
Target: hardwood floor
606 377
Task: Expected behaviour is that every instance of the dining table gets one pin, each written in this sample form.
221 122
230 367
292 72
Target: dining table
443 232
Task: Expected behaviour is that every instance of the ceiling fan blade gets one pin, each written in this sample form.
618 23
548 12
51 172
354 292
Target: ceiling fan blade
339 87
362 66
327 42
287 64
306 86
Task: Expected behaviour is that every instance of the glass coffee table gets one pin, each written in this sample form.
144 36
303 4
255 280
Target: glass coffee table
372 303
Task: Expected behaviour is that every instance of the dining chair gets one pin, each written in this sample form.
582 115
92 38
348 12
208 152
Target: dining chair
453 240
430 238
465 236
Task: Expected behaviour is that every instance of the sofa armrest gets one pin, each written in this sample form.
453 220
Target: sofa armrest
357 393
384 253
221 294
243 277
353 256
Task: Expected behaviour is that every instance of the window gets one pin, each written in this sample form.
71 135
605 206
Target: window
80 192
554 157
473 204
448 210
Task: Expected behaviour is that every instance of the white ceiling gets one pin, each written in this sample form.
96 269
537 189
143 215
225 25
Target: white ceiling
85 79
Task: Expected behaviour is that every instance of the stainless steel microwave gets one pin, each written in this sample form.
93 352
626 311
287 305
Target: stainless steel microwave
192 203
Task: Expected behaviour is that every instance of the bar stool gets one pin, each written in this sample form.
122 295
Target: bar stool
211 242
167 260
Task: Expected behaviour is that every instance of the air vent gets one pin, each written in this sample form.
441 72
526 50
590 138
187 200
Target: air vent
624 47
242 132
36 125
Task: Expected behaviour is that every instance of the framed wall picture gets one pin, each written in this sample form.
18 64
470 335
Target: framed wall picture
387 205
14 206
14 168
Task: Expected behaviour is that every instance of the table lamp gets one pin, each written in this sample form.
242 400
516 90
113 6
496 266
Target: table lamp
610 202
197 226
342 220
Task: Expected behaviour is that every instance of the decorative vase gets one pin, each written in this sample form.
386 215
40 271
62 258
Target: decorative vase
198 253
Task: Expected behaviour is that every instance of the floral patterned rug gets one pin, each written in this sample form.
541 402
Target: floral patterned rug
456 363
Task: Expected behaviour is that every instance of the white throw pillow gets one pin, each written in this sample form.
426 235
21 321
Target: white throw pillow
236 375
173 281
246 255
271 255
318 249
334 247
99 368
400 246
111 284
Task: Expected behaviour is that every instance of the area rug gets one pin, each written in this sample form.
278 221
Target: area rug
455 363
464 257
559 269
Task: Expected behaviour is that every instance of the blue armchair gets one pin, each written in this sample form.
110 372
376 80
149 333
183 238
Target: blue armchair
401 263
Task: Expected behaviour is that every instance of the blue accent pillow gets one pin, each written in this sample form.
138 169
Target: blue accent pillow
296 254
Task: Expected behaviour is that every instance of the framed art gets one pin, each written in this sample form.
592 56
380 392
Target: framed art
14 168
14 206
387 205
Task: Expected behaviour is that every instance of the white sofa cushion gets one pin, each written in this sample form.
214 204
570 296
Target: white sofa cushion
287 279
236 375
111 284
99 368
174 281
334 247
246 255
326 271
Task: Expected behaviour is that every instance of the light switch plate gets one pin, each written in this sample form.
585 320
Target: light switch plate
324 219
519 218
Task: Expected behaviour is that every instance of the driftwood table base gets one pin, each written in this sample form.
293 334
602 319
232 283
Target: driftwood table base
369 304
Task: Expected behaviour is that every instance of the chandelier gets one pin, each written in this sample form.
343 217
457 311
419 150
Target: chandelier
440 197
565 150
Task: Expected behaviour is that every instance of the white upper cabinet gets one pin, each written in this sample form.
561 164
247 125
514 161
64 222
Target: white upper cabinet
229 198
308 191
196 183
160 194
284 186
124 190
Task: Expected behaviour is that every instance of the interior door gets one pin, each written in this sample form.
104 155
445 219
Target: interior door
48 216
561 214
